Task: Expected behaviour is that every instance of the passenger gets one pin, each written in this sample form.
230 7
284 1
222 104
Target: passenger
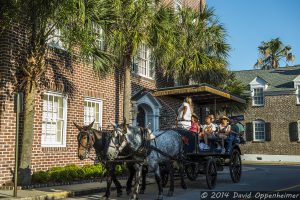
195 124
224 132
185 114
238 129
208 131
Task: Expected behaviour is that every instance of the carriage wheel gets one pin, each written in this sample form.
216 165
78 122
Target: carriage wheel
191 171
211 173
235 166
164 178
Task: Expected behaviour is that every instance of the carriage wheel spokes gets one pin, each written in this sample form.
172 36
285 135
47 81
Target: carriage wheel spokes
235 166
211 173
191 171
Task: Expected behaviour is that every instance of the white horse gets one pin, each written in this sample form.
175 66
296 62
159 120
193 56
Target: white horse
151 149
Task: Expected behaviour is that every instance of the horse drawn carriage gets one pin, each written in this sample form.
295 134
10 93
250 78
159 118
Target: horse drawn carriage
158 149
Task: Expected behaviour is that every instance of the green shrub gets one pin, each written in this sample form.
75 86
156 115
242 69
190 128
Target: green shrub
73 171
120 169
55 173
40 177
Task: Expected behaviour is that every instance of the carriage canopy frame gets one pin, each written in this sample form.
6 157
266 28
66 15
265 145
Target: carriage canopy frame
201 94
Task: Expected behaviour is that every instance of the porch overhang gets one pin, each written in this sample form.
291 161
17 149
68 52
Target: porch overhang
201 94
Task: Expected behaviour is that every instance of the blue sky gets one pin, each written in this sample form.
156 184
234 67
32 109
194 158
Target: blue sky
249 22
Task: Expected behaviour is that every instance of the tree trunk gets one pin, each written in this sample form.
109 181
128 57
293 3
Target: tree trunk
202 5
127 91
27 137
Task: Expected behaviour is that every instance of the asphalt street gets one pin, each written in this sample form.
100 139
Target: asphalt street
254 178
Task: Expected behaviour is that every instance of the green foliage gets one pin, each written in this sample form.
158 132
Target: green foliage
73 172
272 52
40 177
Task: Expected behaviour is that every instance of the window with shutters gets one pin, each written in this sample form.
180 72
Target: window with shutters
93 112
259 131
54 120
142 64
258 96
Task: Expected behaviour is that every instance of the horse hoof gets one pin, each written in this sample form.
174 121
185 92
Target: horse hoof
184 186
105 197
142 191
170 194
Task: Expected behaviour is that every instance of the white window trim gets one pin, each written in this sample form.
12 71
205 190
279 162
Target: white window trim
298 129
65 109
148 68
252 95
297 87
177 5
253 124
100 101
55 40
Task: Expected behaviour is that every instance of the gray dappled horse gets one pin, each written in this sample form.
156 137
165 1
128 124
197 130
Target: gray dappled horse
151 149
89 138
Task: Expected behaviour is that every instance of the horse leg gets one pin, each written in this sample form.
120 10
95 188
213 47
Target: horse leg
130 178
144 173
171 172
108 182
116 182
138 172
181 171
159 183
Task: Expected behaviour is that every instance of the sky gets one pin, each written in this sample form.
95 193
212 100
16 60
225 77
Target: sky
249 22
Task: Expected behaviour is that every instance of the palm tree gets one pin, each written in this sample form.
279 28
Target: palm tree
200 53
138 22
42 18
272 52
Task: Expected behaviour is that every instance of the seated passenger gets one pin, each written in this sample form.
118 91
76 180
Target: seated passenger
208 131
195 124
224 132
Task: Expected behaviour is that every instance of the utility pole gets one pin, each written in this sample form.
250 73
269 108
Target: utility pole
17 109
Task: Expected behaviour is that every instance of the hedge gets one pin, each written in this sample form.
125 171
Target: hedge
72 172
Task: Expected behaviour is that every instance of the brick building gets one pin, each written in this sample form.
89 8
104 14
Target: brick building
74 94
273 115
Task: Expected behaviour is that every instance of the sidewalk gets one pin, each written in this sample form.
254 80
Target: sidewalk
61 192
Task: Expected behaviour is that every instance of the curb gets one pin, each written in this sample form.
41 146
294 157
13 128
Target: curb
270 163
67 194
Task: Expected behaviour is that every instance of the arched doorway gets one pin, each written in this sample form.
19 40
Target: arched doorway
146 111
145 116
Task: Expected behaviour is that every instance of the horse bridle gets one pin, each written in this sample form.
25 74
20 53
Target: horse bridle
90 141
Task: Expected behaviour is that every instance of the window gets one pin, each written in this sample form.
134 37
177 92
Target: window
99 36
93 111
298 94
298 130
143 65
54 120
259 130
54 39
177 5
258 96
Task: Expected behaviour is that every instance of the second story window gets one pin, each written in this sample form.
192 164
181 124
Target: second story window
177 5
99 40
258 96
259 131
55 39
93 112
142 64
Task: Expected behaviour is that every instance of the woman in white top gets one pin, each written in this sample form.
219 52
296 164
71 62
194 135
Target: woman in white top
185 114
